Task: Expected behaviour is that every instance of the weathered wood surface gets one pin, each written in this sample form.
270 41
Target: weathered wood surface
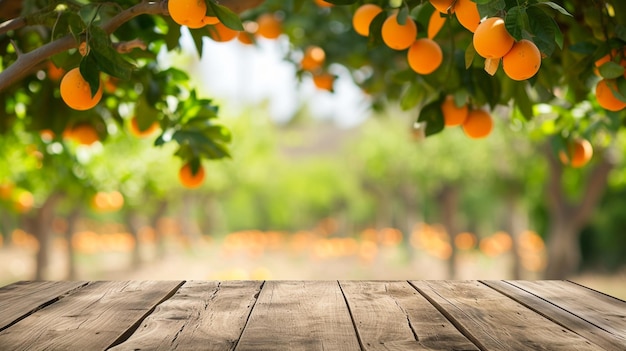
93 318
299 315
20 299
310 315
495 322
200 316
394 316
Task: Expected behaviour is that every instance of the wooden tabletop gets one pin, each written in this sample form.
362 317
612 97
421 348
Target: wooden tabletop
309 315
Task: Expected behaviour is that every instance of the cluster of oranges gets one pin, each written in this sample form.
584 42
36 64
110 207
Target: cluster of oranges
520 59
476 123
606 89
424 55
313 62
104 201
193 14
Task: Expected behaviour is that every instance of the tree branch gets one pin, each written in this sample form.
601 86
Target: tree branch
27 61
12 24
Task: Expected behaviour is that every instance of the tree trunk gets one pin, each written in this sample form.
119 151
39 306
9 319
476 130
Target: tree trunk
563 248
158 230
567 218
514 226
43 222
132 223
72 219
448 205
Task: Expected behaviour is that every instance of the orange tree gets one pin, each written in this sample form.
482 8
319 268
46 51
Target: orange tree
416 52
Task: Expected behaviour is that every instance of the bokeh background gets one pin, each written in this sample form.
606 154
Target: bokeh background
318 187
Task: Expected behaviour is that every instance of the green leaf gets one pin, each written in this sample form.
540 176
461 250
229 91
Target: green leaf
431 118
89 12
544 29
620 31
515 21
470 53
611 70
412 96
226 16
108 59
522 101
403 14
375 37
89 71
490 8
555 6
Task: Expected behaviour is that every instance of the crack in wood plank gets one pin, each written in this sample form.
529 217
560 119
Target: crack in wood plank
256 298
44 305
131 330
356 329
450 318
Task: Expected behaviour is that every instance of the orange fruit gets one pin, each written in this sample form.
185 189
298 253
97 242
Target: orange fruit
6 189
453 115
478 124
363 17
76 93
324 81
187 12
467 13
133 127
209 20
313 58
84 134
577 154
491 39
399 36
246 38
434 24
54 72
424 56
270 26
605 96
322 3
188 179
442 5
522 61
220 33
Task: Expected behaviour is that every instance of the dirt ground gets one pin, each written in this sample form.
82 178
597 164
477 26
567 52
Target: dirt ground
215 261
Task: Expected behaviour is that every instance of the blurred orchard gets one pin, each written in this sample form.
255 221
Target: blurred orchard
121 160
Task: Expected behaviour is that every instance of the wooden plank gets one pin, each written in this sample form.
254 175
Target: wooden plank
551 310
299 315
206 315
92 318
394 316
20 299
493 321
596 316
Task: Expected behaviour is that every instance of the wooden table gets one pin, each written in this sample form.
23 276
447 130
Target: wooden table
309 315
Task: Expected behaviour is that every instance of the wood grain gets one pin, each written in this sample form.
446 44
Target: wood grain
604 316
394 316
20 299
92 318
495 322
299 315
200 316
